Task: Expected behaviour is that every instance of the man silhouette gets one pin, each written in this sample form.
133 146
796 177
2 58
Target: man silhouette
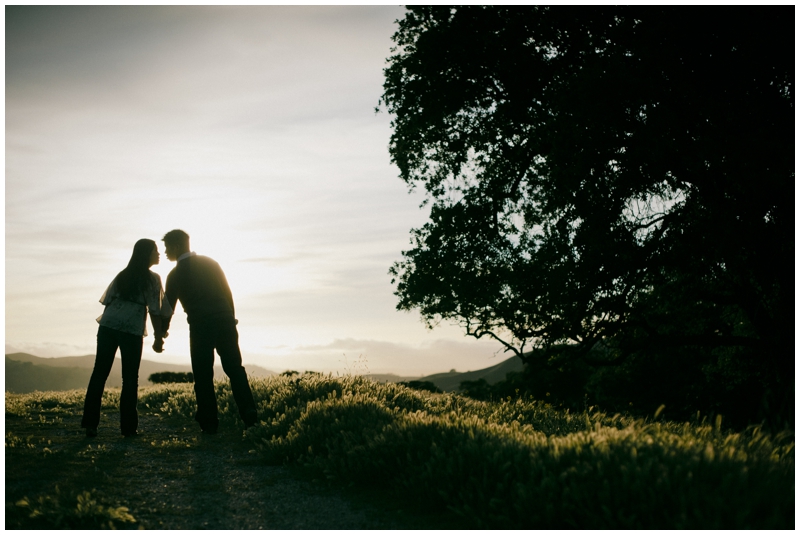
200 285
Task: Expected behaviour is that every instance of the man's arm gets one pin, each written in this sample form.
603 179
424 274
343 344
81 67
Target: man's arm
226 289
171 295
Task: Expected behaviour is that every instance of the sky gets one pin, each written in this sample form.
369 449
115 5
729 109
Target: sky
251 128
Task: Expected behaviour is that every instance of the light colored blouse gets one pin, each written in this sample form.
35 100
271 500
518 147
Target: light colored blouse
131 317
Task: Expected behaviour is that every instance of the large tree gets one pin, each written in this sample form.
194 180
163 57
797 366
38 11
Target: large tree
601 177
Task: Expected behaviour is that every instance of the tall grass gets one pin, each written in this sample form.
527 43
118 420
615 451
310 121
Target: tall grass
512 464
522 464
80 511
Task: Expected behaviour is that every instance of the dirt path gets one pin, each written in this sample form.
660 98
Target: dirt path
173 477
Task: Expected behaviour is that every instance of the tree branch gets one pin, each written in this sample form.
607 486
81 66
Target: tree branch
477 334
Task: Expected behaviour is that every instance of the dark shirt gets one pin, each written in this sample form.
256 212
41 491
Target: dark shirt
200 285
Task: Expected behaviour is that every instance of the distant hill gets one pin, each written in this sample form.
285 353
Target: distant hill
450 381
24 377
26 373
391 378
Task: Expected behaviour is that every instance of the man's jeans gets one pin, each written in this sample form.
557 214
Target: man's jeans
205 336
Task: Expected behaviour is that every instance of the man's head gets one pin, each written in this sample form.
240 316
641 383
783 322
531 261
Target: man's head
176 243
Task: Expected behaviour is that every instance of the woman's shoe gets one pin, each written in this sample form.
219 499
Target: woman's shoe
130 434
91 432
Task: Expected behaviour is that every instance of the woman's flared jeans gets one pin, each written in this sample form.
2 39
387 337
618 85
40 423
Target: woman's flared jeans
130 346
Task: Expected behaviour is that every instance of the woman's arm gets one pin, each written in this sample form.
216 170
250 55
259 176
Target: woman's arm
158 333
160 312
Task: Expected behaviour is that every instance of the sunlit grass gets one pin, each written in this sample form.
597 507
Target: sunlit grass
523 464
58 511
517 463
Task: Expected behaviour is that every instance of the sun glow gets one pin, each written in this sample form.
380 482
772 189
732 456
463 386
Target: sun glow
254 131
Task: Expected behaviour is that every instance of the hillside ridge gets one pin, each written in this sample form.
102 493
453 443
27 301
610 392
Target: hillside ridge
26 373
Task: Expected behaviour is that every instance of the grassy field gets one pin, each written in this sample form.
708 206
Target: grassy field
409 459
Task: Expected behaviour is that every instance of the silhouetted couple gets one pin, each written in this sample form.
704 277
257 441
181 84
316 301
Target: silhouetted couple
200 285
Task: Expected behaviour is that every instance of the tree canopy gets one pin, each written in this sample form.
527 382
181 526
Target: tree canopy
604 177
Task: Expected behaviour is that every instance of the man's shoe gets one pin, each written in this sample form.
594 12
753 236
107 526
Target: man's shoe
209 431
130 434
250 419
91 432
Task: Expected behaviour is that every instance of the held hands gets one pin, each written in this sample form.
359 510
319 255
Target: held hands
160 326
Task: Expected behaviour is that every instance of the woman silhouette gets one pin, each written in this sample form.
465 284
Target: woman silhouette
133 292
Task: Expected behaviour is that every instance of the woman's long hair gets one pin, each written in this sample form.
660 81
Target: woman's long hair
133 281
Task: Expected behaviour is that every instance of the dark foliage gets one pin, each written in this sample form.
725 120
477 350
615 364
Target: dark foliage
678 380
607 177
426 386
479 389
171 377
